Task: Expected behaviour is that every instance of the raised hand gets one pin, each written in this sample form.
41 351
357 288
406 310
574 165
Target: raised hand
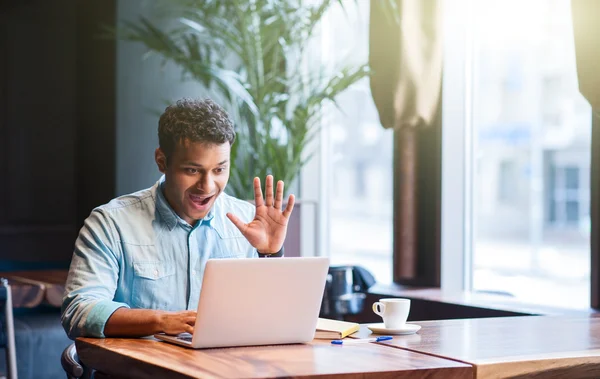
268 229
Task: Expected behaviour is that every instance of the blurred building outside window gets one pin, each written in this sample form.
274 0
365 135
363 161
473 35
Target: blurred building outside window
531 133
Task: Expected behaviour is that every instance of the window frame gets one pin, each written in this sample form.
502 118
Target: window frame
456 149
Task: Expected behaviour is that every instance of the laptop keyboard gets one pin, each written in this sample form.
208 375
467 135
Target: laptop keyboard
185 338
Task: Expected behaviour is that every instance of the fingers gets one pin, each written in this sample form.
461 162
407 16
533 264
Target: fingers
269 191
270 201
258 196
191 320
278 195
237 222
178 322
290 206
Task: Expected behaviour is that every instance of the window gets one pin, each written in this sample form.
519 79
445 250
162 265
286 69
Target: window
569 196
358 155
529 128
508 191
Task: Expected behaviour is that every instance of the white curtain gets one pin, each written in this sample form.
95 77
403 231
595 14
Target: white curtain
586 30
405 54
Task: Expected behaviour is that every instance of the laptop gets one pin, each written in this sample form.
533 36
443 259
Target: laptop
250 302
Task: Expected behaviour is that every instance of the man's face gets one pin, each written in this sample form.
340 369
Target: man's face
195 174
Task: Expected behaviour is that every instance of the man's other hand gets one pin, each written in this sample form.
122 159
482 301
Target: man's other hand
125 322
174 323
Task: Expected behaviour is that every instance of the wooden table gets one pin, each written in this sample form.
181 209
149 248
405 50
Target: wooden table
32 288
146 358
512 347
507 347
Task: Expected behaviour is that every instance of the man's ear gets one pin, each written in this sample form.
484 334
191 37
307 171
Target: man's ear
161 160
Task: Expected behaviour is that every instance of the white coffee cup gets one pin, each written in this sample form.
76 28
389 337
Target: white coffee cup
393 311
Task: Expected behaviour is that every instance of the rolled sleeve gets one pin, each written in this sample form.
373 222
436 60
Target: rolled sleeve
99 314
92 281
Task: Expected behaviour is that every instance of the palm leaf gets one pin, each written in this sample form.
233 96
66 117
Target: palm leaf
250 53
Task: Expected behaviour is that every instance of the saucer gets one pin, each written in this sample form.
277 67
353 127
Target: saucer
381 329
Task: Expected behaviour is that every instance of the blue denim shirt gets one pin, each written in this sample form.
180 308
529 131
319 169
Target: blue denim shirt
136 252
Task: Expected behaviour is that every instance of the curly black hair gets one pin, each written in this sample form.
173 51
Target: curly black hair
200 120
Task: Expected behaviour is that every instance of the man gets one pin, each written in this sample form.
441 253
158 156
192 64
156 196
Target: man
138 262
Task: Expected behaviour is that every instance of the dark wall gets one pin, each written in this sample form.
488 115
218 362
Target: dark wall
78 120
56 125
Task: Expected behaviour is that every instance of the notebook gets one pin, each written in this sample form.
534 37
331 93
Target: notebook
334 329
246 302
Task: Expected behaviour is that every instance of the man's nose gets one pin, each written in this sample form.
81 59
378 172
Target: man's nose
205 183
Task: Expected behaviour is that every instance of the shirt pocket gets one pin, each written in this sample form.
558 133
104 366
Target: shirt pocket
153 284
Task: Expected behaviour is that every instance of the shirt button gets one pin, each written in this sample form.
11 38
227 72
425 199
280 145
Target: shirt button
156 273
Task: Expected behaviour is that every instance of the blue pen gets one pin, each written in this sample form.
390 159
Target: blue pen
361 340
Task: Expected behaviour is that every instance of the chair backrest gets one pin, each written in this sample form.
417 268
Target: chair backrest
71 364
7 329
3 296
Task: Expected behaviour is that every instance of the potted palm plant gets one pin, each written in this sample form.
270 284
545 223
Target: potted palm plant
252 55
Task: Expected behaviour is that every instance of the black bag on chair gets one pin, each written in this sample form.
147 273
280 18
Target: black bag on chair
345 291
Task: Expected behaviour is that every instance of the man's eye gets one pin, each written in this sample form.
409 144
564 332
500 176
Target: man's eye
191 171
219 170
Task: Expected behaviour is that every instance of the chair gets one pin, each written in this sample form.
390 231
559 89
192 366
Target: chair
72 365
7 331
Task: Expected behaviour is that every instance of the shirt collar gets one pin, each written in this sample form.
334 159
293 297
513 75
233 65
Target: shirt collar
169 216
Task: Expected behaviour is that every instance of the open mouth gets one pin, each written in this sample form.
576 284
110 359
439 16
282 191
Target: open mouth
200 200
